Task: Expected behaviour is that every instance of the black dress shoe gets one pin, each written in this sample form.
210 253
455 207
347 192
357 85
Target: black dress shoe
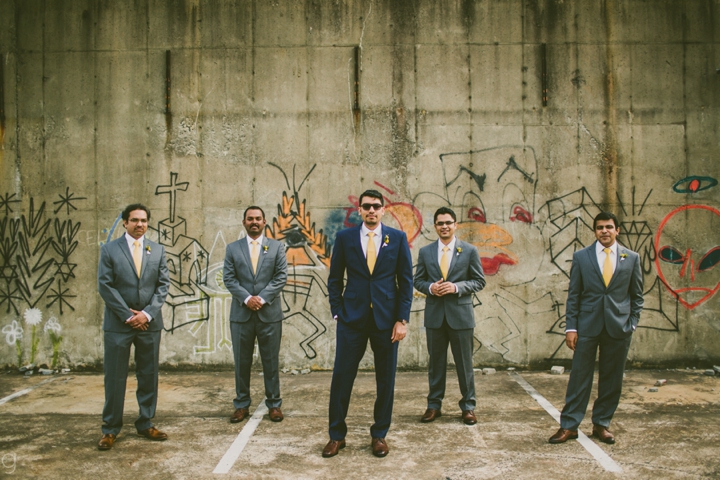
333 447
563 435
430 415
603 434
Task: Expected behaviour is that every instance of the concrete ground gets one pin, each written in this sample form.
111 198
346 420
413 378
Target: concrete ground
52 431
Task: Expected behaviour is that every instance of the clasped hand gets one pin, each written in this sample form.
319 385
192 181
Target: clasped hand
138 321
441 287
254 303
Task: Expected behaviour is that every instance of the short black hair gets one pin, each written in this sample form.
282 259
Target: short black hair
444 211
253 207
606 216
131 208
372 194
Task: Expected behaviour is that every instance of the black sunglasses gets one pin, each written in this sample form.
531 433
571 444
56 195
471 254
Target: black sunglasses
368 206
449 222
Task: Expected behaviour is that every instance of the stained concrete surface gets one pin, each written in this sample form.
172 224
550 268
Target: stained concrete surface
51 432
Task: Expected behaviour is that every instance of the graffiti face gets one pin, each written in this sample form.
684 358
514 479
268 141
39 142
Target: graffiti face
606 232
687 250
137 223
254 222
371 211
493 191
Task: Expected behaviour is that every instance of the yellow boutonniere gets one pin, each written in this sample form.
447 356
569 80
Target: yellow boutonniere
459 251
387 240
623 256
147 250
265 249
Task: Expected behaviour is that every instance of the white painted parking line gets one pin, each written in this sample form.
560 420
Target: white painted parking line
27 390
231 456
602 458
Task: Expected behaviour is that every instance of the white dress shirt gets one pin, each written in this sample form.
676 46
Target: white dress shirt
130 241
451 246
599 251
259 241
377 239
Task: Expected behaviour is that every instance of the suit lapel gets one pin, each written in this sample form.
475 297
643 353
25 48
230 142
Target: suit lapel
261 254
593 259
432 261
143 254
125 249
383 234
245 251
620 263
356 246
453 255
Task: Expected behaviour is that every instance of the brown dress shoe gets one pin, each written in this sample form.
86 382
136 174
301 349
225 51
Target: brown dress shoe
106 441
603 434
154 434
380 448
333 447
563 435
276 414
239 415
468 417
430 415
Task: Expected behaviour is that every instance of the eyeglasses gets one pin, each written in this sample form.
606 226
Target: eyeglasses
368 206
448 223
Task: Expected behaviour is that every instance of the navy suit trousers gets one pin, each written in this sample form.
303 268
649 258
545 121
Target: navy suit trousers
350 347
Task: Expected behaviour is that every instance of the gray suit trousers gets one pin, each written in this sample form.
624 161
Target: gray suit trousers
117 356
613 353
461 344
268 337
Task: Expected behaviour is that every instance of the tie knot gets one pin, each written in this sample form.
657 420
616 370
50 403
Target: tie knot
607 250
254 242
371 234
136 243
445 249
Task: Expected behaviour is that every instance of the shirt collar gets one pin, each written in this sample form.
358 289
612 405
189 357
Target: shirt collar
250 240
130 240
364 230
450 245
599 248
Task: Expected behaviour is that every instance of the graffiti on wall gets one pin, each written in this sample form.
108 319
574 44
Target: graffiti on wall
687 252
37 269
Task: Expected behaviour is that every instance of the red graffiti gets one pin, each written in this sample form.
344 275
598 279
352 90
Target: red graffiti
686 256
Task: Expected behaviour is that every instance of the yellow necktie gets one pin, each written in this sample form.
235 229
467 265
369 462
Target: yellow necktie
445 262
254 255
371 253
137 257
607 267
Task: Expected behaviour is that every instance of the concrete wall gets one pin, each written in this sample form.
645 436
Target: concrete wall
449 110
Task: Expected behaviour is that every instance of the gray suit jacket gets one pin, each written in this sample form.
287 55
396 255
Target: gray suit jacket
121 289
465 271
590 305
267 283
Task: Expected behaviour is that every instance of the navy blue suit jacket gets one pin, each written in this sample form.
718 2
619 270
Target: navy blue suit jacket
389 288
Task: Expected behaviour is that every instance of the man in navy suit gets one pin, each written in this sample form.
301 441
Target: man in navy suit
605 298
374 305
